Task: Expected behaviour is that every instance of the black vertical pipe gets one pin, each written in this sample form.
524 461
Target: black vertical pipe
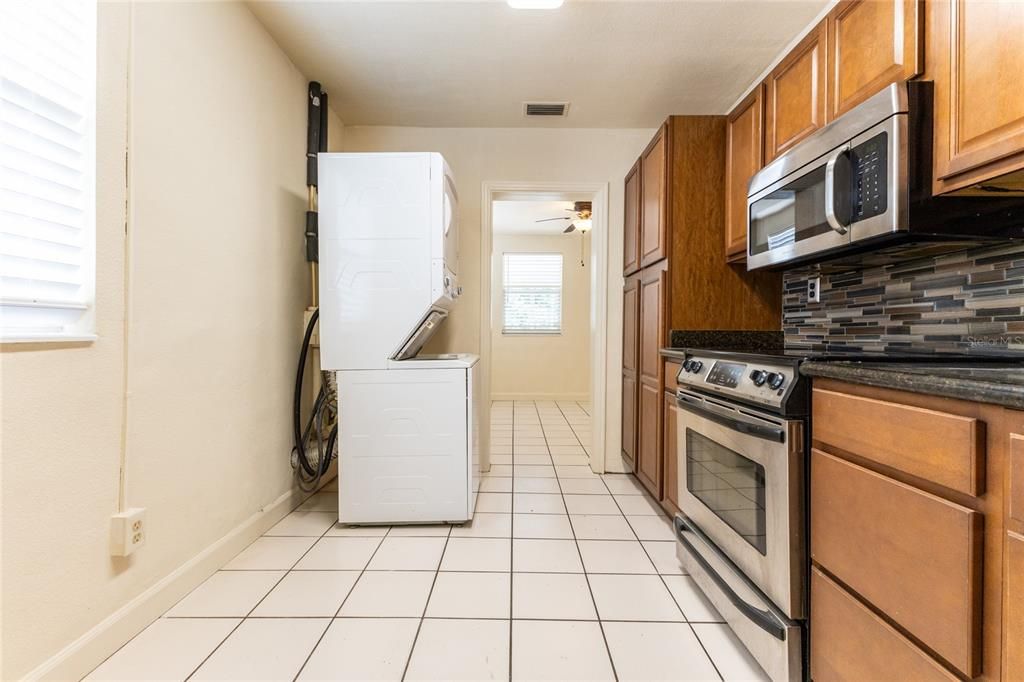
323 122
314 124
316 141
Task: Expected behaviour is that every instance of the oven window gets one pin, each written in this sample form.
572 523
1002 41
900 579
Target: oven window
729 484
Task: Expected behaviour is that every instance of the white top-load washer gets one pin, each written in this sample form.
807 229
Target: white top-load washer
408 426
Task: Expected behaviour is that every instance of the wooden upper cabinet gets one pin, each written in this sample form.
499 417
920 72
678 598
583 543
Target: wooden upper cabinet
631 222
975 55
654 199
871 43
795 94
744 156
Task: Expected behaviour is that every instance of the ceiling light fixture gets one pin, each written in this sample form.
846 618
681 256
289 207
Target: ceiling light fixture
534 4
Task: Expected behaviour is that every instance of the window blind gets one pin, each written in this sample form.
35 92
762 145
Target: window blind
533 293
47 169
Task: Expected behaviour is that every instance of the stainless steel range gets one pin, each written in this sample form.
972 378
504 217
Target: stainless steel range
742 533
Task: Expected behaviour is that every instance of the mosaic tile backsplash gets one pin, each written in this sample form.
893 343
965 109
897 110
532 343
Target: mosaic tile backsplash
966 302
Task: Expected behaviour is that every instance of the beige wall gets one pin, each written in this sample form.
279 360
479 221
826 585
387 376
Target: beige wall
541 155
198 317
546 366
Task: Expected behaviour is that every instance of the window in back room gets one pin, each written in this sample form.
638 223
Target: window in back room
47 170
532 284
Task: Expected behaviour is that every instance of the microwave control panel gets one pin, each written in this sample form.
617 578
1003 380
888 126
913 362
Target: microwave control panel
870 162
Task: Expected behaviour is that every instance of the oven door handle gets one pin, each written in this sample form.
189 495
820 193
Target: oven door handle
765 620
730 419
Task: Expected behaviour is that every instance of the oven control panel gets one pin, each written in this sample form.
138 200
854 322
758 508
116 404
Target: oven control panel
758 381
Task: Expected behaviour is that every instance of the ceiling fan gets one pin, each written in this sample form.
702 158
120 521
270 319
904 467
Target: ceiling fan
581 212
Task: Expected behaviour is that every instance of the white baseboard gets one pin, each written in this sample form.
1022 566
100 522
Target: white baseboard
570 397
85 653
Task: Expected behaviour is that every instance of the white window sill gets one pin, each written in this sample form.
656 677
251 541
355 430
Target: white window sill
530 332
49 338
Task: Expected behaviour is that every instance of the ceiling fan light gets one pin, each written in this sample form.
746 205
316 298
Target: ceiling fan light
584 225
534 4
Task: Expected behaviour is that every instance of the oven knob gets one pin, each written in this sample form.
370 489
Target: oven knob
757 376
775 381
695 367
687 365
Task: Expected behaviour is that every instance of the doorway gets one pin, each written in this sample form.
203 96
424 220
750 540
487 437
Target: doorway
543 312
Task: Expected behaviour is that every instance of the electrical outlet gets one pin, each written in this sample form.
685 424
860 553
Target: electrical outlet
128 531
814 290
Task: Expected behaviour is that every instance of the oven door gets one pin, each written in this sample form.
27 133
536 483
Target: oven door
741 481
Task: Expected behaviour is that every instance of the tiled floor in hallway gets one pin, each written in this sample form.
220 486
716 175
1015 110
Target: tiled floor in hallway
562 575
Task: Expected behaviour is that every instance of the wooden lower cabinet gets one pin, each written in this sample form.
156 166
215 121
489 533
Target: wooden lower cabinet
671 447
1013 625
629 423
648 462
913 555
916 556
852 643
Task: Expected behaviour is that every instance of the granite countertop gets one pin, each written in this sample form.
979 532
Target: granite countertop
999 383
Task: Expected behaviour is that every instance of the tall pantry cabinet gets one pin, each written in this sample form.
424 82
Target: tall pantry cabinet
677 278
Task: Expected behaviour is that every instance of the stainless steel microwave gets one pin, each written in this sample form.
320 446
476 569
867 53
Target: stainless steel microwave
863 183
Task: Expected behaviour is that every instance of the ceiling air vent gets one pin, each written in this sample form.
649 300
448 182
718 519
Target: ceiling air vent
545 108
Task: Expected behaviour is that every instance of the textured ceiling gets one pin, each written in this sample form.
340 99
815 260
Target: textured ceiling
620 64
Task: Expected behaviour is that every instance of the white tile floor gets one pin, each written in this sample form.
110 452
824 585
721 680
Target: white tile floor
562 575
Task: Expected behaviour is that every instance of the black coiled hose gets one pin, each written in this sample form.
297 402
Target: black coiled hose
301 436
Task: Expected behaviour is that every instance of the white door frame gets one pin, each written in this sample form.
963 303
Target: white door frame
598 295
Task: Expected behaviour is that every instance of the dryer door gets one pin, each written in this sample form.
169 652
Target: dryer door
451 225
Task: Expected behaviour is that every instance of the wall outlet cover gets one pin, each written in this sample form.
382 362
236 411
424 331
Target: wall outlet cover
814 290
127 531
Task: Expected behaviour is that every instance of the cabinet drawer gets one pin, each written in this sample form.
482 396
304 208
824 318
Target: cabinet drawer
943 448
914 556
671 370
849 642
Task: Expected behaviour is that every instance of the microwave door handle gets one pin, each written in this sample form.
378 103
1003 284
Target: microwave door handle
730 419
830 190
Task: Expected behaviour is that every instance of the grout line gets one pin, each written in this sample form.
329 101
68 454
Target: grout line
511 545
590 589
260 601
426 604
338 610
664 584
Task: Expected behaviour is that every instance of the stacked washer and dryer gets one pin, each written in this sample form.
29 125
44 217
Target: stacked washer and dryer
408 449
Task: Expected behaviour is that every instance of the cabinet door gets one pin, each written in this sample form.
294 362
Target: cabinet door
631 222
654 204
975 55
871 43
744 156
671 449
629 423
795 94
648 466
1013 603
630 331
651 369
630 324
652 324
